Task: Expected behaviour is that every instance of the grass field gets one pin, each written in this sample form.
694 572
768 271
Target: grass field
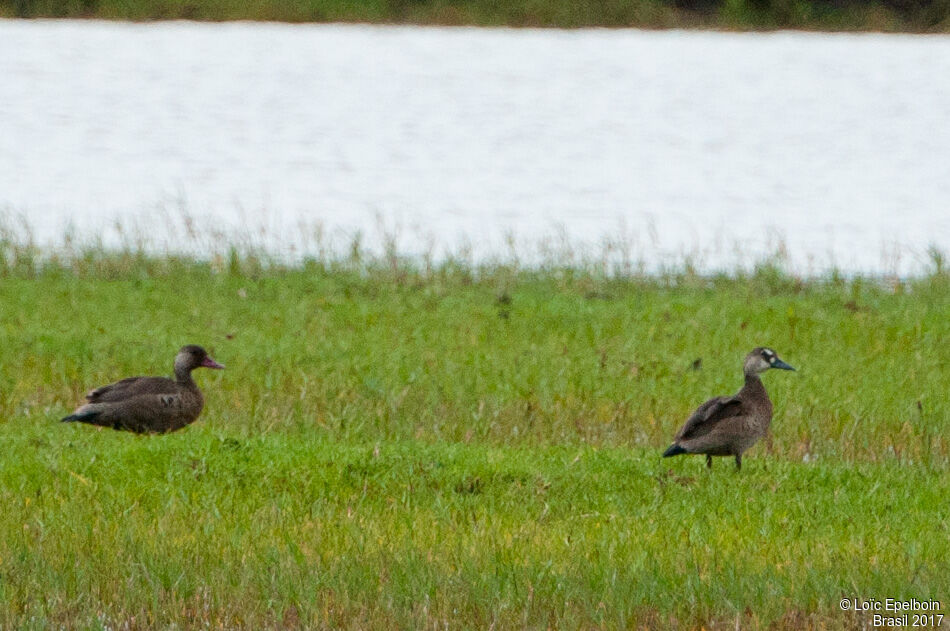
461 447
833 15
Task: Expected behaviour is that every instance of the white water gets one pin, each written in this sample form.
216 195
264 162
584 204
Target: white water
719 146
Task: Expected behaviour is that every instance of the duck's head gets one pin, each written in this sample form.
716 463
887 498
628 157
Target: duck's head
761 359
191 357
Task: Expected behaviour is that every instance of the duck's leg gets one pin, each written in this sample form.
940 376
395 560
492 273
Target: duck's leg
738 462
708 461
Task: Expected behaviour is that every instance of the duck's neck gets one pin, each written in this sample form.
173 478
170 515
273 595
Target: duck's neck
754 389
753 383
183 376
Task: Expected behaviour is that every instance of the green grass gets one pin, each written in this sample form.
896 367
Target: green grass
462 447
883 15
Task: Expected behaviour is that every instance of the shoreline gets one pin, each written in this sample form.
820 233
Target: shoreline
387 261
426 14
624 254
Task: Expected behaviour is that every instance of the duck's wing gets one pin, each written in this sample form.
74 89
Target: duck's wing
708 415
142 412
132 387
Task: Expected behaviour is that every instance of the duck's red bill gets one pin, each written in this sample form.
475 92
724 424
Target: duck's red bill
207 362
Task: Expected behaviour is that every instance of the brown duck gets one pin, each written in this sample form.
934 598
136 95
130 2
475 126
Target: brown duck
149 404
727 426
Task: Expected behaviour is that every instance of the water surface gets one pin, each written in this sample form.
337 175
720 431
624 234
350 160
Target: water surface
718 146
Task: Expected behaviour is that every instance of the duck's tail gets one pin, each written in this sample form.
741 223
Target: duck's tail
87 416
673 450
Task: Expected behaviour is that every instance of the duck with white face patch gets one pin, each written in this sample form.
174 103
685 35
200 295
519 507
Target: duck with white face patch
728 426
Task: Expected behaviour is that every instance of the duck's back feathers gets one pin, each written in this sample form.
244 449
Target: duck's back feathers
131 387
709 415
